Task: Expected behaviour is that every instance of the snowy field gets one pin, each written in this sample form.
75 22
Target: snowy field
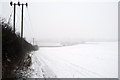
90 60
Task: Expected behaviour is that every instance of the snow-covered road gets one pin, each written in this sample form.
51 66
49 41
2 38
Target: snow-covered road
90 60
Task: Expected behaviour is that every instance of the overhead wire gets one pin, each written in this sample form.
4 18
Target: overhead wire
30 25
18 22
25 21
9 19
30 21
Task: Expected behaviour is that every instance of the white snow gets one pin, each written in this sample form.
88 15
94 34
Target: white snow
90 60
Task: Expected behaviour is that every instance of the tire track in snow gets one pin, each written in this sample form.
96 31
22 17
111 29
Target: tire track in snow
66 64
75 70
86 71
83 71
39 63
47 72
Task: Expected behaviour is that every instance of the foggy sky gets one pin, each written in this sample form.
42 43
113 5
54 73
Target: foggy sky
68 20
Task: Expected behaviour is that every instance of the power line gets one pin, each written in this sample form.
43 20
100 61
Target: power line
24 19
30 22
9 19
17 21
31 29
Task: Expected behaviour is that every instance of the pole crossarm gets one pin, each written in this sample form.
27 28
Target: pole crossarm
11 3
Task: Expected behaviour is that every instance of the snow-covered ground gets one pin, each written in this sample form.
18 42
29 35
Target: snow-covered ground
90 60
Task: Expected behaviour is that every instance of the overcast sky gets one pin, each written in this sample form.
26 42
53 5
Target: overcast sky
70 20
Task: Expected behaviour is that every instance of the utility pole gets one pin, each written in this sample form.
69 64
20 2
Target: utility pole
22 22
11 3
22 16
22 4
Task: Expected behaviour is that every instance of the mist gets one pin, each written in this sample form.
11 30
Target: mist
68 21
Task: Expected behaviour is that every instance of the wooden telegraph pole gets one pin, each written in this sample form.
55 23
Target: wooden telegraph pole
22 4
26 4
11 3
19 4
